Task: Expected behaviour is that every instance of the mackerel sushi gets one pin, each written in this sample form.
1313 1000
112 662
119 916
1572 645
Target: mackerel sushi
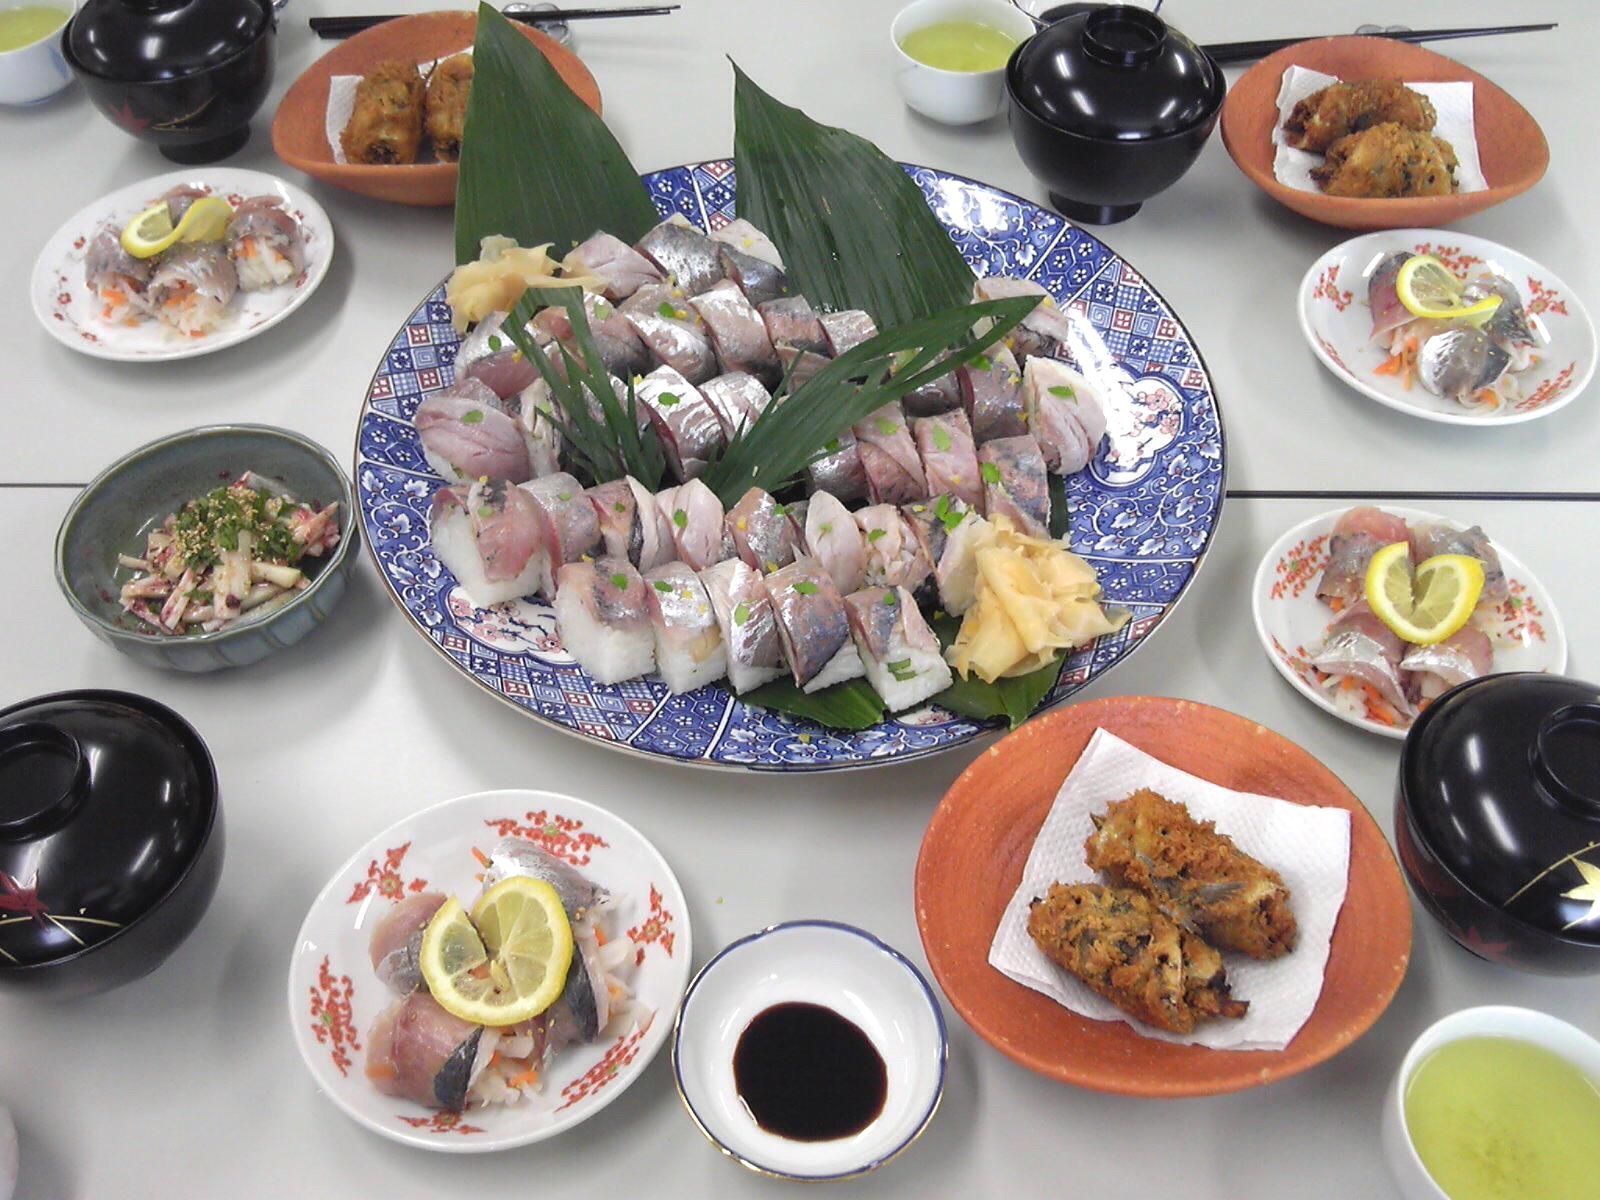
956 569
991 393
791 321
671 330
744 615
949 456
694 516
939 395
115 276
192 286
889 457
1043 330
738 336
758 279
834 539
418 1051
687 257
603 613
689 648
740 235
396 946
536 419
631 526
1064 414
1014 484
266 243
570 527
796 366
466 434
490 537
895 558
684 420
621 269
813 626
847 329
617 342
737 399
761 531
838 469
899 653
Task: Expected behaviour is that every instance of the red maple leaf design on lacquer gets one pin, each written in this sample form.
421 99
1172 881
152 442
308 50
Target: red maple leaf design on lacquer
128 119
22 899
384 877
332 1021
653 929
561 836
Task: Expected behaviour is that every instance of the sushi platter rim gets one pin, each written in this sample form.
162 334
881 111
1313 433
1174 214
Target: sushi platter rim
1261 583
987 730
40 285
658 1035
1306 294
878 944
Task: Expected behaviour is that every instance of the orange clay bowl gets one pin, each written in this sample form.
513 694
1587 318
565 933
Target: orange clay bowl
978 841
1511 146
298 128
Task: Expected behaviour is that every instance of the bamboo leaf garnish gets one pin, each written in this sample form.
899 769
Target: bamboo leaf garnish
1014 699
850 706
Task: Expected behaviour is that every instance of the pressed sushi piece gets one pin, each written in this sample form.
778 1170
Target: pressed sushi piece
956 569
467 434
671 330
795 366
931 522
191 287
899 653
737 399
506 372
761 531
796 510
266 243
1014 483
615 339
1434 670
490 536
939 395
689 649
847 329
1427 541
744 614
895 558
617 510
738 335
571 528
621 269
813 626
418 1051
656 542
115 276
1359 646
833 538
1064 414
758 279
838 470
740 235
889 456
1042 330
514 857
695 517
536 419
684 420
949 456
791 321
991 393
396 944
687 257
1358 534
603 613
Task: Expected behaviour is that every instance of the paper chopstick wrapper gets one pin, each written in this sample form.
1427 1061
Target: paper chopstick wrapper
1308 846
342 102
1452 102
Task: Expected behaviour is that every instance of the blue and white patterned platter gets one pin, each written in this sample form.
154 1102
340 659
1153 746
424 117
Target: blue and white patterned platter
1142 512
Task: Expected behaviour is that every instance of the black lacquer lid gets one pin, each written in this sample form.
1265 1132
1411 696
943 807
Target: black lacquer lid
141 41
1116 72
106 800
1501 778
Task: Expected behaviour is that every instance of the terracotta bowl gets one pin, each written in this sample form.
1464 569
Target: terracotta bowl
1511 146
298 133
978 841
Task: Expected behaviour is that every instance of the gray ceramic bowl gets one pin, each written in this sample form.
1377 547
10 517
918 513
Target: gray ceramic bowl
128 498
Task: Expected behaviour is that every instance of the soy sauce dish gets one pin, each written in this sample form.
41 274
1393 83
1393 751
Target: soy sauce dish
810 1051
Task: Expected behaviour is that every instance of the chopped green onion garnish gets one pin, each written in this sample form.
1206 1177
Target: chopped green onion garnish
941 438
663 586
680 518
741 613
990 472
1063 392
473 416
806 588
874 534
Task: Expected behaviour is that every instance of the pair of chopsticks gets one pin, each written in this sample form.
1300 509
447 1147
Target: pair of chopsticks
343 27
1237 52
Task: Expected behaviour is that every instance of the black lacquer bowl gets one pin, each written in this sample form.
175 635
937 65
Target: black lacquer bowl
185 75
1497 819
1110 106
111 840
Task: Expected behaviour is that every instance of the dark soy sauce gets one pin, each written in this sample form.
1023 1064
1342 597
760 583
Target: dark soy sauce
806 1073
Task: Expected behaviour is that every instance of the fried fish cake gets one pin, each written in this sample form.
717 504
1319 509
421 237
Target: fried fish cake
1386 162
1126 949
1194 874
1324 117
385 123
449 87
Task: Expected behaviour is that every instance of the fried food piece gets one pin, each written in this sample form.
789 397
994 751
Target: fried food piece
385 125
448 89
1125 948
1194 874
1388 161
1339 109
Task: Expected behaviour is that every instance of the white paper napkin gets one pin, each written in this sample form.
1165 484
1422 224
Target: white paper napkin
342 102
1452 102
1308 846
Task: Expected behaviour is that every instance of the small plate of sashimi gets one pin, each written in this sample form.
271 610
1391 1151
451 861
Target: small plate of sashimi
489 972
1372 613
181 265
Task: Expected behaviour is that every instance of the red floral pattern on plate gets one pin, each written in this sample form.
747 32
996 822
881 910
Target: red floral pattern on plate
1544 299
1332 352
653 929
331 1019
440 1122
622 1052
1521 613
561 836
1328 289
1304 561
1547 391
1451 256
384 877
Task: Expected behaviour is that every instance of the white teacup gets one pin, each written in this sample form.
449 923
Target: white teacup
954 97
36 71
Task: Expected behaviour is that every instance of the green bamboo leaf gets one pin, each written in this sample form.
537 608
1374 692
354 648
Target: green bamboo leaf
537 164
854 230
850 706
1060 507
1014 699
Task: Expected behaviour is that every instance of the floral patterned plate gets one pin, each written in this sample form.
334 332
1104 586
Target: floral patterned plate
1291 621
1337 323
334 995
1142 512
66 308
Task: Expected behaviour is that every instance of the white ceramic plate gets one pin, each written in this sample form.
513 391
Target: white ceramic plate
65 307
1291 621
334 995
1337 323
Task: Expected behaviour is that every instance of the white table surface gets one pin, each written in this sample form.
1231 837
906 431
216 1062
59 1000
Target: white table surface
187 1084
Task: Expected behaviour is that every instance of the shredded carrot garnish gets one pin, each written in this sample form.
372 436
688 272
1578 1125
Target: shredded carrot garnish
1389 366
495 1059
483 859
528 1078
1336 604
600 935
381 1071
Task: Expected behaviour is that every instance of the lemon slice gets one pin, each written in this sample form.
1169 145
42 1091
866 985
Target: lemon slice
1431 290
1432 606
505 964
152 231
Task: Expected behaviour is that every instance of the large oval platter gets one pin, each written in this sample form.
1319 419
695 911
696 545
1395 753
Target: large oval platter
1142 512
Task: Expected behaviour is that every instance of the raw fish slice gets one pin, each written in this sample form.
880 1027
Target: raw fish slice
838 469
937 396
1362 647
1014 483
266 244
656 544
518 857
671 331
506 526
1434 670
1430 540
535 418
740 235
1042 330
791 321
397 941
1508 327
621 268
744 615
895 558
758 279
192 286
737 399
696 519
835 540
617 510
466 434
603 613
1461 362
686 256
584 1007
505 372
1357 535
931 521
991 392
889 455
949 456
621 350
689 648
795 366
684 420
738 335
489 339
761 532
180 199
899 653
1388 313
571 528
515 534
956 572
847 329
813 626
116 276
418 1051
1064 414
